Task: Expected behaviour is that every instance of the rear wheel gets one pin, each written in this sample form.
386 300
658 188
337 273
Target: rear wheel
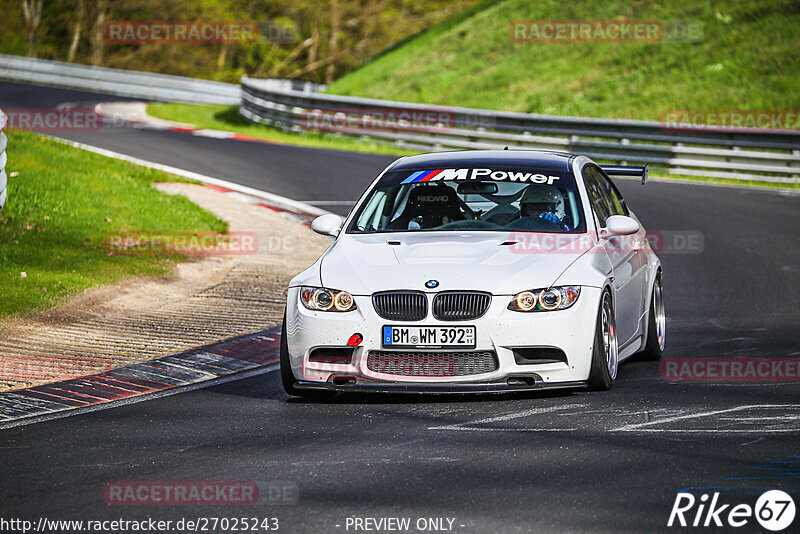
656 325
604 354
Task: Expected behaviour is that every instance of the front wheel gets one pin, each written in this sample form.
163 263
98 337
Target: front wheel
604 354
287 377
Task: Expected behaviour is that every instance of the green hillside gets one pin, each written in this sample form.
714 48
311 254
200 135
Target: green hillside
746 59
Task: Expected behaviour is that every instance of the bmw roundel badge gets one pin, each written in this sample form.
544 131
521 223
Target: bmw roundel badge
430 284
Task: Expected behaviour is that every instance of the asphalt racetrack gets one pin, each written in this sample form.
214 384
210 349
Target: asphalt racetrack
601 462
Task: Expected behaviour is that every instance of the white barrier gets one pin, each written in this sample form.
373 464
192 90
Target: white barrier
145 85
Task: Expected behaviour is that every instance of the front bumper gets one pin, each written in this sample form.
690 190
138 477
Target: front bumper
441 388
499 330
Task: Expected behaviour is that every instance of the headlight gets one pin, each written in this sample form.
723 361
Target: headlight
552 298
322 299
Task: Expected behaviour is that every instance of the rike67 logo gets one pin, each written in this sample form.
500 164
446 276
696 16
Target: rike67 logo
774 510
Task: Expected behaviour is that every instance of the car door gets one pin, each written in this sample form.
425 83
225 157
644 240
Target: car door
622 251
635 244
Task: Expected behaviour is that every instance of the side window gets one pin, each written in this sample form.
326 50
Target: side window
617 202
598 196
369 216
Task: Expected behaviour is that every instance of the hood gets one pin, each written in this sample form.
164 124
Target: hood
500 263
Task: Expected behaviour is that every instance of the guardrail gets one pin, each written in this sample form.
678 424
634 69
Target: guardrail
3 159
129 83
770 155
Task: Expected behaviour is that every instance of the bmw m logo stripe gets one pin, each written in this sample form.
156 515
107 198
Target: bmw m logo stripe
480 175
421 176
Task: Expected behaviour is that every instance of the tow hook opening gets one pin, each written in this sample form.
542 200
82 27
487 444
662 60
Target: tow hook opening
522 380
343 380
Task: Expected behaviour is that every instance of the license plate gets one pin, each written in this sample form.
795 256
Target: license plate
428 336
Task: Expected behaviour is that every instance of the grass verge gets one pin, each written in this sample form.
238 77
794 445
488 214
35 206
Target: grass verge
741 56
227 118
662 174
61 204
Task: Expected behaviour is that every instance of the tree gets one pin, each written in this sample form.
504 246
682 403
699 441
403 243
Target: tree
32 11
76 31
314 40
98 39
333 43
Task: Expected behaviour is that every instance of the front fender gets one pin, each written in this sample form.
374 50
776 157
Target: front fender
593 269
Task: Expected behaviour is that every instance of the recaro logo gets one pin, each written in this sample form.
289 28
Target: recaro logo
774 510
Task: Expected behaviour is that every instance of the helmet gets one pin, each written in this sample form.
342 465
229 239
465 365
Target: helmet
541 194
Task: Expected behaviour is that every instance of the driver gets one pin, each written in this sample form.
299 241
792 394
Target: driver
542 201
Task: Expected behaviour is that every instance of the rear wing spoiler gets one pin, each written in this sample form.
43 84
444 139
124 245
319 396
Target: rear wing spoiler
627 170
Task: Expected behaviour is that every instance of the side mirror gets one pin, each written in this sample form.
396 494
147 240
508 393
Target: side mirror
621 225
330 224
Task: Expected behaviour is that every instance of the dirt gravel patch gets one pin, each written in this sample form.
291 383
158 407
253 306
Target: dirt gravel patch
204 300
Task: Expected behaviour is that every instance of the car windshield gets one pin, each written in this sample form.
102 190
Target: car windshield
522 200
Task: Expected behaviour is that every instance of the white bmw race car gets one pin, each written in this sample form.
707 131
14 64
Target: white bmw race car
477 271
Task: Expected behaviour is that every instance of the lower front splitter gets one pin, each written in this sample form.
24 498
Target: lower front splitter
435 388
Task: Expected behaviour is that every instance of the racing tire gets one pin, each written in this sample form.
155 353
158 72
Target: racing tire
656 326
287 377
605 358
